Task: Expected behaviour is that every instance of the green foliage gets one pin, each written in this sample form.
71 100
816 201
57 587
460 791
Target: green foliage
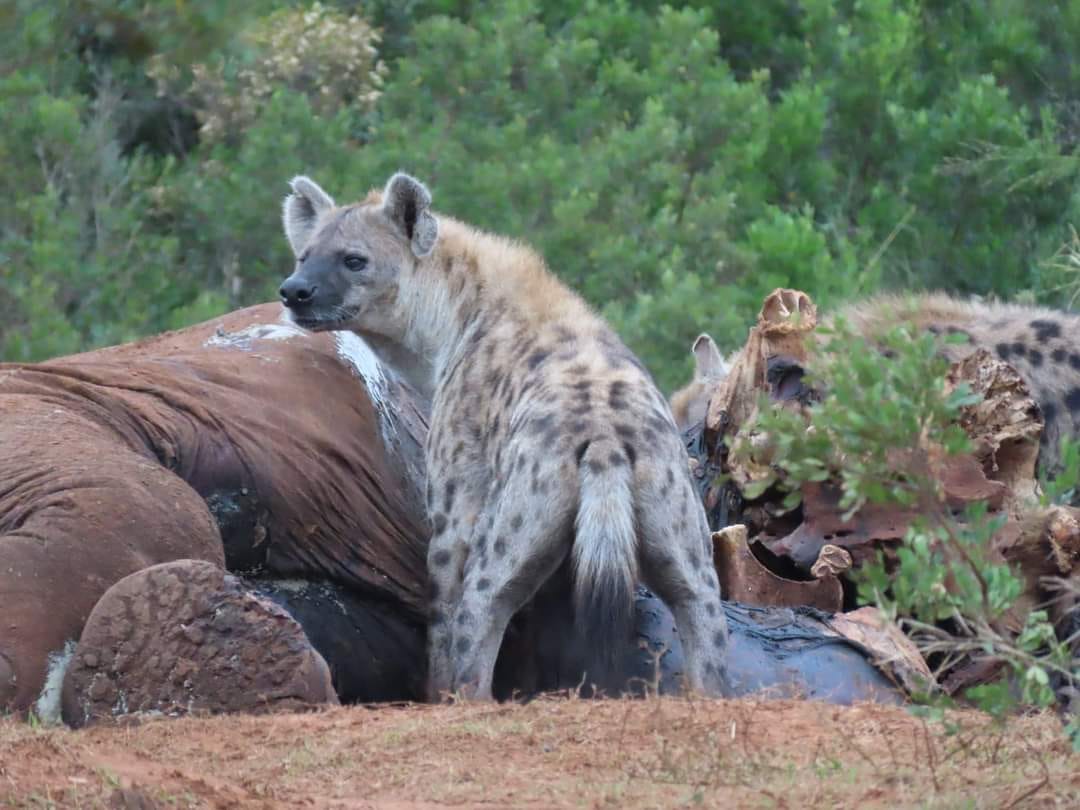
943 570
879 433
319 52
674 162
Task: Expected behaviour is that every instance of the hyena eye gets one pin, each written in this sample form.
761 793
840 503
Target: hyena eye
355 262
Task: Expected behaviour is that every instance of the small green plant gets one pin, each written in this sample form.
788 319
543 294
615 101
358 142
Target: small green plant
887 419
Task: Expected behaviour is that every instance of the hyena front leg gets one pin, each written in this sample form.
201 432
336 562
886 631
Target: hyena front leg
445 561
526 539
454 506
677 563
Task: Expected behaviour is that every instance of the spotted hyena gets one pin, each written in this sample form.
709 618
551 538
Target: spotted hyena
1042 344
548 437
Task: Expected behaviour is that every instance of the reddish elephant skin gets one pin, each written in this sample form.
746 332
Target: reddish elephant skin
240 441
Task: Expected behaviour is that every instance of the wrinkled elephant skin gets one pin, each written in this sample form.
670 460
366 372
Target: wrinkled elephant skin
187 638
241 441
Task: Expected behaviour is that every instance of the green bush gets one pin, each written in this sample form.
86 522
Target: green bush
674 162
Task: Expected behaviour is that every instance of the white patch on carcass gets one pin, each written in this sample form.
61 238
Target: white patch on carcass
354 350
47 707
350 347
243 338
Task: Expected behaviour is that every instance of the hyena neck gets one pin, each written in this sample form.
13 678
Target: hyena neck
414 369
471 282
436 307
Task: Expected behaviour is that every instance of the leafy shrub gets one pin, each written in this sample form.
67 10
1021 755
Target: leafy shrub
78 267
319 52
881 426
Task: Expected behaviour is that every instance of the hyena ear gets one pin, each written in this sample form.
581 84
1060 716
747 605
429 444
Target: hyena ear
302 209
407 202
708 362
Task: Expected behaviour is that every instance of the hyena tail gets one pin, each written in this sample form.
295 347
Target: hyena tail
605 557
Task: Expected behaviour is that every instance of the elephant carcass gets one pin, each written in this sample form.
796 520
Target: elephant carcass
241 441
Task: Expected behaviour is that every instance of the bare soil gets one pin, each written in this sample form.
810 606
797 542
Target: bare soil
549 753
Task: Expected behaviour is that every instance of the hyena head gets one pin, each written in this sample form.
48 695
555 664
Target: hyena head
350 260
688 405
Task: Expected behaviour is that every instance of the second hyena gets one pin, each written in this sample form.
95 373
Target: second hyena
1042 344
548 437
689 403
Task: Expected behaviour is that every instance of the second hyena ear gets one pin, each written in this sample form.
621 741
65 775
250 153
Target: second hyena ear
302 209
708 362
407 203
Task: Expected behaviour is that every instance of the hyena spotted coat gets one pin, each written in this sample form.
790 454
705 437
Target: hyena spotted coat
1042 344
548 437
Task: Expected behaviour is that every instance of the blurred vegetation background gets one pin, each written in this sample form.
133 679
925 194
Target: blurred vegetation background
673 162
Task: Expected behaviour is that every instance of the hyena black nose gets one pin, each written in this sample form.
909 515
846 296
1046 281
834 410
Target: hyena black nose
296 292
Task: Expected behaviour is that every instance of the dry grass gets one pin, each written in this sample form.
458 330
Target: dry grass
550 753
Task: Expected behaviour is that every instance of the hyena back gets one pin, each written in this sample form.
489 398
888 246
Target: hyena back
548 437
1042 344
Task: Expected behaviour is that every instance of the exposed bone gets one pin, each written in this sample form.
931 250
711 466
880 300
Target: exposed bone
1004 427
832 561
786 317
744 579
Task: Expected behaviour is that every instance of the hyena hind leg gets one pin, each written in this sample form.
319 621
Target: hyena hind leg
529 538
677 564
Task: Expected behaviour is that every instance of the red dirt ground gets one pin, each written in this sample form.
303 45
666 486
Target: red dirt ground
550 753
